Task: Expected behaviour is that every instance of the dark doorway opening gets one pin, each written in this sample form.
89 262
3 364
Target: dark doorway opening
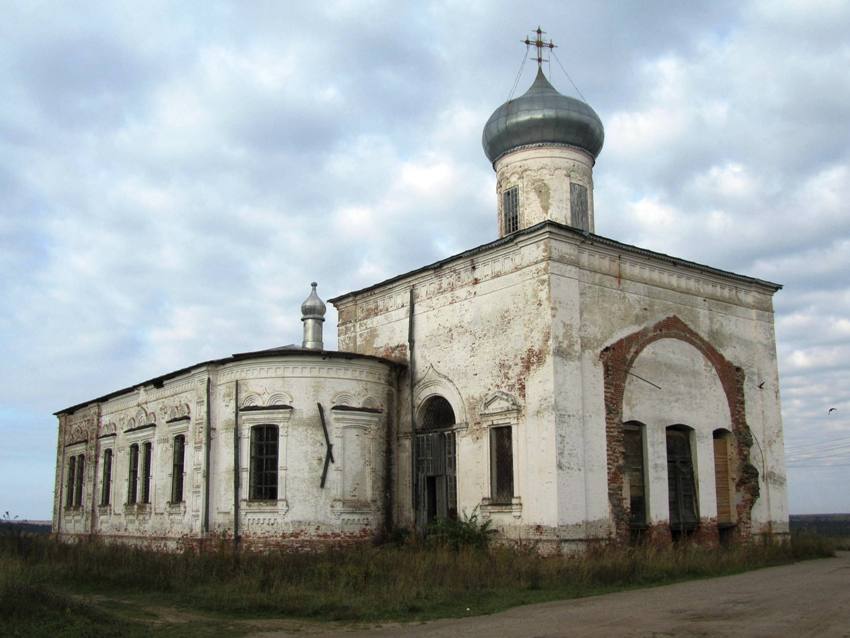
436 472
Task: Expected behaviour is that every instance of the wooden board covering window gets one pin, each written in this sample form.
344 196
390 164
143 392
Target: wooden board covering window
722 480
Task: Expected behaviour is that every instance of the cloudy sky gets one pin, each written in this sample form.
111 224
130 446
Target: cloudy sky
172 175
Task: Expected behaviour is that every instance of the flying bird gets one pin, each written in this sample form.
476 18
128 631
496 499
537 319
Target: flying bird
761 385
831 410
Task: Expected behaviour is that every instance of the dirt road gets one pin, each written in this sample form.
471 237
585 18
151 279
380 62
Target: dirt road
806 599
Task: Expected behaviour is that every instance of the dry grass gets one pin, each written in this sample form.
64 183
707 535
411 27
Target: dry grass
410 582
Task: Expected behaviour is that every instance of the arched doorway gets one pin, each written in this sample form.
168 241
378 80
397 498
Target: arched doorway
436 462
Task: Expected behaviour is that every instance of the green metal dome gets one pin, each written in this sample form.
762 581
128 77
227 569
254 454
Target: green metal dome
542 116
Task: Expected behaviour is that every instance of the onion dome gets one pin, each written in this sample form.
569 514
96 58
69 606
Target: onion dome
542 116
313 307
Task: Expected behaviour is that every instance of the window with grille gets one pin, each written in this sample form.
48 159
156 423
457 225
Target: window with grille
578 206
177 461
264 463
69 492
633 449
146 473
510 210
501 465
684 511
133 476
78 489
106 483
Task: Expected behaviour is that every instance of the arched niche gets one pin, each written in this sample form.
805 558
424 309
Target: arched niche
433 384
618 359
671 381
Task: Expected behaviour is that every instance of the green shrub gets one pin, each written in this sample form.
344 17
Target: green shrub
467 531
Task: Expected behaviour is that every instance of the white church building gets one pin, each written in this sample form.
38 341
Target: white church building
563 385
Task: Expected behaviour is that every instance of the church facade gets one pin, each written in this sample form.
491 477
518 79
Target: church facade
568 387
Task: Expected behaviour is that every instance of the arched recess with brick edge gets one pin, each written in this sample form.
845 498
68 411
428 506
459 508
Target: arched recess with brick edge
617 360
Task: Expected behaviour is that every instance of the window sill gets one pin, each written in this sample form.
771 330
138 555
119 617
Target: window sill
137 508
176 508
271 505
489 507
351 506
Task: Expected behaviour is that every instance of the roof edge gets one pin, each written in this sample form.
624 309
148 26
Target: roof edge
239 356
584 235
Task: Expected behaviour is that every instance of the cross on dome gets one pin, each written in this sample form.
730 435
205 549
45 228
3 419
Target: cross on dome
541 44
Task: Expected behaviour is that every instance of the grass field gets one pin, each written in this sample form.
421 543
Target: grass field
94 589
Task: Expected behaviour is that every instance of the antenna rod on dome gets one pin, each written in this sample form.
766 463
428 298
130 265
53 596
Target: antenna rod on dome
541 44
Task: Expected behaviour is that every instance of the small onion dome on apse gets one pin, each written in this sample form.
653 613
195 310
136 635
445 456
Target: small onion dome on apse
313 316
313 307
542 116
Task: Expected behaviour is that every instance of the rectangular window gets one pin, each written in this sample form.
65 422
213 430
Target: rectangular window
684 511
146 474
501 465
724 485
133 477
510 210
177 469
69 491
263 469
106 484
78 492
633 444
578 206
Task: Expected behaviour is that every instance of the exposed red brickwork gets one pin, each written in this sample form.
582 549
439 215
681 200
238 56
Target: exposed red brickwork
617 360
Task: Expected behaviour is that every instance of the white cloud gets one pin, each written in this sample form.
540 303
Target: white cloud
168 167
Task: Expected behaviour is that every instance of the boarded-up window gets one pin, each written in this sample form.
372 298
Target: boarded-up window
69 491
501 465
133 475
510 210
634 472
578 206
724 483
177 464
680 480
263 470
106 482
146 472
355 486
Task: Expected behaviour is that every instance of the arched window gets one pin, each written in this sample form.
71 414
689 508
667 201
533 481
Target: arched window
177 464
106 483
635 473
684 510
264 462
133 475
436 414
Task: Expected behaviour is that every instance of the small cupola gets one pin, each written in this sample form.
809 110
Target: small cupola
543 146
313 316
